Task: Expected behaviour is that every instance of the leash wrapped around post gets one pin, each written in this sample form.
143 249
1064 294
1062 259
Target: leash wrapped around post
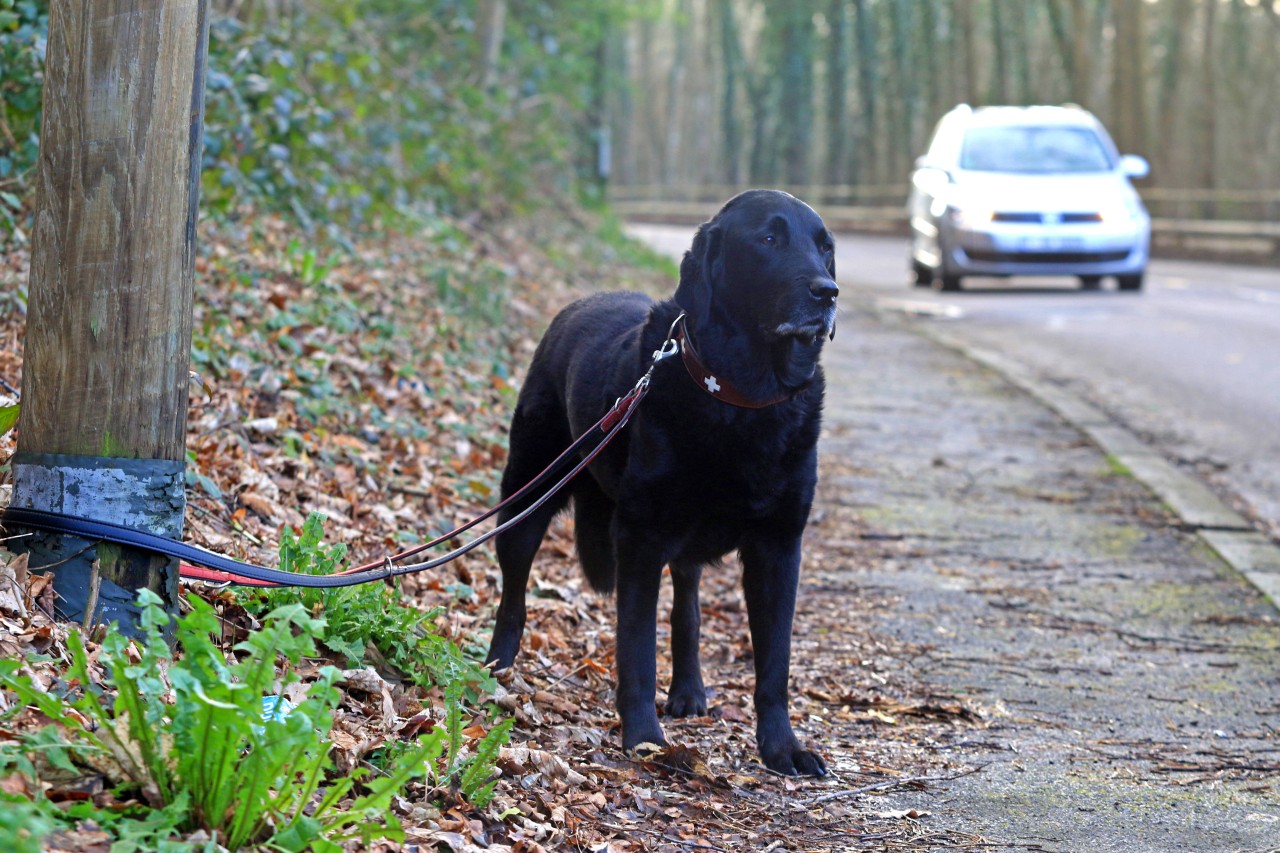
204 565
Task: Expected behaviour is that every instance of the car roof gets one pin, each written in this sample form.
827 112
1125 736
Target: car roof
1040 115
948 136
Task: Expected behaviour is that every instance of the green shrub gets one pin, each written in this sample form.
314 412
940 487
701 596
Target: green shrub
210 760
24 25
338 114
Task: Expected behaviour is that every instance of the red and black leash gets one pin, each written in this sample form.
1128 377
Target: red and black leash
204 565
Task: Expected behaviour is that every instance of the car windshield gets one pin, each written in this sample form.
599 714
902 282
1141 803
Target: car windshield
1033 149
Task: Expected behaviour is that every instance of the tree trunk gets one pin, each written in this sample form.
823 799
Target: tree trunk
673 151
864 158
108 338
793 66
1000 86
837 107
620 107
492 20
1170 81
1071 33
1208 154
905 109
1128 78
731 67
1080 41
968 51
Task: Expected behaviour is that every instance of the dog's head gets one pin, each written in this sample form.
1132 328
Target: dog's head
764 267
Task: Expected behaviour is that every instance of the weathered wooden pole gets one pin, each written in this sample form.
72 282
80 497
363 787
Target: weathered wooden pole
108 339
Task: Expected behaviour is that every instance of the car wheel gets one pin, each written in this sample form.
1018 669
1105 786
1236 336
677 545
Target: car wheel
1130 282
923 275
946 282
1091 282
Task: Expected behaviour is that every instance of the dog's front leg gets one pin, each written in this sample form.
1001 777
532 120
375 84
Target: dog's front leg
771 573
639 576
687 696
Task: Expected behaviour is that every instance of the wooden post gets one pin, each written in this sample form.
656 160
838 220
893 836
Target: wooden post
108 339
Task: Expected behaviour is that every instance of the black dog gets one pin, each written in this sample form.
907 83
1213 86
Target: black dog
720 456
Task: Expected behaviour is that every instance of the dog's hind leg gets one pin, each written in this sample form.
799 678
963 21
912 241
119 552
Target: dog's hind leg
534 444
687 696
592 523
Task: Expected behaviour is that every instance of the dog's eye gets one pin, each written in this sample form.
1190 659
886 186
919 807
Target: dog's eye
769 240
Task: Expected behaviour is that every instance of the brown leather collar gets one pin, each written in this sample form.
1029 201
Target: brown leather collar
716 386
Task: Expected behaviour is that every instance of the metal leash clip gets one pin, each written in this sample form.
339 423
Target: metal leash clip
670 346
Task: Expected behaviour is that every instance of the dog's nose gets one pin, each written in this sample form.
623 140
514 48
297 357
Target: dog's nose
824 288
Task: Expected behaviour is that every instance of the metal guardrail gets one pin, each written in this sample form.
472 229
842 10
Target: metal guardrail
1208 224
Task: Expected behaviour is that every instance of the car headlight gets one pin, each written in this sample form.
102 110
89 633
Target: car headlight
971 217
1124 211
1117 213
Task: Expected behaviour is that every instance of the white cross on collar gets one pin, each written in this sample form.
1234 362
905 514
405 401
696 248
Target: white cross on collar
712 385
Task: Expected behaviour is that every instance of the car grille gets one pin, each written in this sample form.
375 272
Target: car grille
1046 257
1043 218
1082 217
1037 218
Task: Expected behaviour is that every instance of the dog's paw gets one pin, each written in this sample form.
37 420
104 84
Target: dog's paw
791 760
643 738
692 703
648 750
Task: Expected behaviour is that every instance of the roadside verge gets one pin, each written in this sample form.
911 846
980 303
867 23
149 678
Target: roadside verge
1224 530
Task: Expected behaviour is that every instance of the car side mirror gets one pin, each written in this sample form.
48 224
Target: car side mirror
1133 166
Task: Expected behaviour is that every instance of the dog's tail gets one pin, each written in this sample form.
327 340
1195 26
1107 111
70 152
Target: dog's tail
592 523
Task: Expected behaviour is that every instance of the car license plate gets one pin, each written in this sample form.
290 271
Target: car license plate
1050 244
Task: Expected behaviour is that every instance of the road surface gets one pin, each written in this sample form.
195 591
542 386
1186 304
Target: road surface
1191 364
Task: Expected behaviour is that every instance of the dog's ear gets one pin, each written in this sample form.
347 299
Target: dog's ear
831 271
699 270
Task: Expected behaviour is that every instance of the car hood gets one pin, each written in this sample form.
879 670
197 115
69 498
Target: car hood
1061 192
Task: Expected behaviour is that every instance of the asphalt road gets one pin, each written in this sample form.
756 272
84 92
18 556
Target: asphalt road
1191 364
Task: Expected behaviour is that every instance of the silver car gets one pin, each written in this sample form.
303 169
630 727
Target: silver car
1026 191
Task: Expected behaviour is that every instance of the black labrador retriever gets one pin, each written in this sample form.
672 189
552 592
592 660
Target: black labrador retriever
721 455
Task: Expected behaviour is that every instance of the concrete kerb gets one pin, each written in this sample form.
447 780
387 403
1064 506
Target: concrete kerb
1225 531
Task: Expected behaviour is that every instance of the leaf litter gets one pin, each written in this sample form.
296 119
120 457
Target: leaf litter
378 394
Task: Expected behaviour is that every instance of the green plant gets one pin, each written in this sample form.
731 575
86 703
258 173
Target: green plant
305 263
365 615
24 25
472 776
22 824
477 780
372 615
210 760
8 417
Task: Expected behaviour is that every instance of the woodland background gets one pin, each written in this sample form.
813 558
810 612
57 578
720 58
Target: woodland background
847 91
342 112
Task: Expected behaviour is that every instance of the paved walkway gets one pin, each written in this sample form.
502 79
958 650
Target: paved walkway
1128 679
